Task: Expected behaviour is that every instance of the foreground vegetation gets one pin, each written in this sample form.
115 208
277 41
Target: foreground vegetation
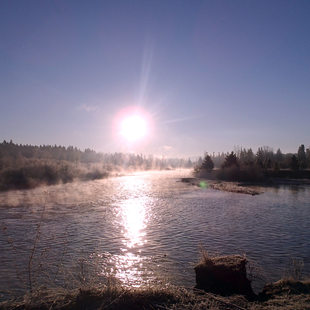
221 283
284 294
119 298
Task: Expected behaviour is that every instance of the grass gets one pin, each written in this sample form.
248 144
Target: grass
284 294
234 187
224 275
119 298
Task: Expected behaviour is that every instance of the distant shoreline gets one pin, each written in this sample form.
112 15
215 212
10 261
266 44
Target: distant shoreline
249 188
30 166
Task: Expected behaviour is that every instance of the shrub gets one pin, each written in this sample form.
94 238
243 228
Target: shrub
42 172
246 173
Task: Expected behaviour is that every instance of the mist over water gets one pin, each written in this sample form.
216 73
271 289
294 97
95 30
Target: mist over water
145 228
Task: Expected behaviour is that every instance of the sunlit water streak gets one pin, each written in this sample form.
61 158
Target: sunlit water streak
145 228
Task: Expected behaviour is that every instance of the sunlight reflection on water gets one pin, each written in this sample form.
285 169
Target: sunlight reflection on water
146 228
128 269
133 219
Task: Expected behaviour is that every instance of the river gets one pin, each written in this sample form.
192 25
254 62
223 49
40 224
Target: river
145 228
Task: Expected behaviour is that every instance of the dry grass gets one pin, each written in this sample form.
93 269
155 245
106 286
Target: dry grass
285 294
117 298
225 275
234 187
280 295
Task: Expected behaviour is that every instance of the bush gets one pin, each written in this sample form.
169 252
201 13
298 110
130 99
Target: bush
34 173
95 175
246 174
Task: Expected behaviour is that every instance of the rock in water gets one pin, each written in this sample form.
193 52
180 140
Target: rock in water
224 275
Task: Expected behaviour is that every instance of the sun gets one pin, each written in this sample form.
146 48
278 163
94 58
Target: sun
133 127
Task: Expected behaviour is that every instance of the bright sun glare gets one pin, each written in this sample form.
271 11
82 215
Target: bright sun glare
133 128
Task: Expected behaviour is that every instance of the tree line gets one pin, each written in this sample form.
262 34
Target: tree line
244 164
28 166
12 154
264 158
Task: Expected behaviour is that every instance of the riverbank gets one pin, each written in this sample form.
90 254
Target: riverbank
36 173
233 187
221 283
248 188
284 294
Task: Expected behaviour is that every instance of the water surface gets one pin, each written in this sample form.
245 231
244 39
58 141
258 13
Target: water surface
145 228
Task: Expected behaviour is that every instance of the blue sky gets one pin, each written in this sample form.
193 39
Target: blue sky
212 74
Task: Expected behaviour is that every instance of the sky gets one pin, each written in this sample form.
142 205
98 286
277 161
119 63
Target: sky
207 75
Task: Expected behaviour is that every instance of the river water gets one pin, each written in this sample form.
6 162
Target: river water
145 228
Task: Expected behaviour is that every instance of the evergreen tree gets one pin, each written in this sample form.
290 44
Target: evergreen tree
308 157
231 161
199 162
301 156
207 163
294 164
279 157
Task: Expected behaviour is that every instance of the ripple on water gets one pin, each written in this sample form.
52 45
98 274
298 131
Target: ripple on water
146 228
